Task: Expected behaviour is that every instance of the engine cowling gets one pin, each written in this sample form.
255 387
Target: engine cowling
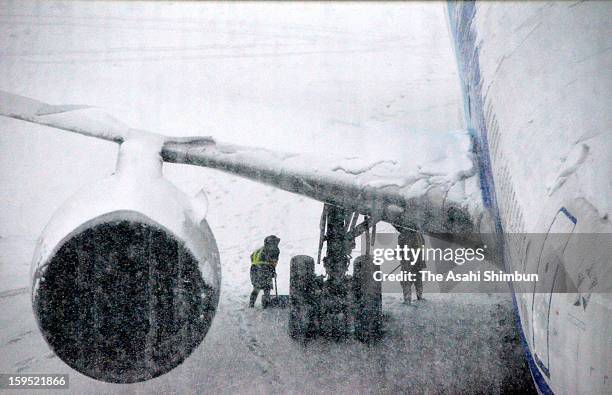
126 276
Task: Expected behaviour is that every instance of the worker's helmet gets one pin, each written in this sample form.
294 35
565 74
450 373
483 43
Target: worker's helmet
272 239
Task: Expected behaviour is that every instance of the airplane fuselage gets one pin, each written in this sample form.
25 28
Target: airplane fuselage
533 77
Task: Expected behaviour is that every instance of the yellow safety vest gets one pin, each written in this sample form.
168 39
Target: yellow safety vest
257 260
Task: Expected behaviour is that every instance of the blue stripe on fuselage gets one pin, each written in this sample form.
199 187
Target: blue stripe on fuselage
464 39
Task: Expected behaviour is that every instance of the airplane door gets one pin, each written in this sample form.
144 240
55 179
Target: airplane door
551 257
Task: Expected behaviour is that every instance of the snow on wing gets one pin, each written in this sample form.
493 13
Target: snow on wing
437 196
89 121
436 193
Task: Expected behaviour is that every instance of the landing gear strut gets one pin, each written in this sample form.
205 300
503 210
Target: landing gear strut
330 305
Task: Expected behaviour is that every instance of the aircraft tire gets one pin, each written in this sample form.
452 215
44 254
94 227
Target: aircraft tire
367 297
302 309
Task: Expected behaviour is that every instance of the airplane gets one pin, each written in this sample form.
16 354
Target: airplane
136 224
109 320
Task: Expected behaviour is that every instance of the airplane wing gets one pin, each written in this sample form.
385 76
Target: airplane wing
85 120
439 194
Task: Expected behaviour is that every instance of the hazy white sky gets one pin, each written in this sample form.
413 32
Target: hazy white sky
302 76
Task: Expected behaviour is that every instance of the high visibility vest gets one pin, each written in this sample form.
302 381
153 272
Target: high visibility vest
256 258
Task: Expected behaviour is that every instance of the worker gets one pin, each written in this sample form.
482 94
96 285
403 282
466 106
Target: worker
263 270
412 239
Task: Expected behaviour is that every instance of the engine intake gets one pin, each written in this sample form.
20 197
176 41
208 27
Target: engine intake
126 278
124 301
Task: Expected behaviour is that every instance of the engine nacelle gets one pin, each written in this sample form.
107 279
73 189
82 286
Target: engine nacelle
126 276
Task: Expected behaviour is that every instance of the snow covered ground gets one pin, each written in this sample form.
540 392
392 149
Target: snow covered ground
298 78
450 343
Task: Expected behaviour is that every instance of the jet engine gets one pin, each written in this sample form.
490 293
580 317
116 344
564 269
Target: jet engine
126 275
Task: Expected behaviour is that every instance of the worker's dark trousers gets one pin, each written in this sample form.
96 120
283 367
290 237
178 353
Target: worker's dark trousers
265 300
407 285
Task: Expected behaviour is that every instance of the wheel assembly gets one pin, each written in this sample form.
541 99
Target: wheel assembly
303 305
367 300
329 305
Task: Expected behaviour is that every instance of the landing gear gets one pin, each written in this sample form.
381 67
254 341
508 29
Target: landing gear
334 311
329 305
